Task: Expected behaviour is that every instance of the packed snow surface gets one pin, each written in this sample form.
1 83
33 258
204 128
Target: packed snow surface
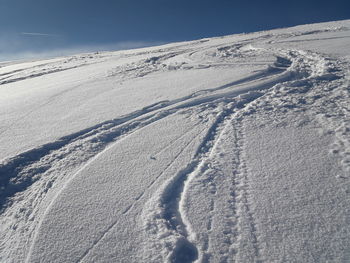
228 149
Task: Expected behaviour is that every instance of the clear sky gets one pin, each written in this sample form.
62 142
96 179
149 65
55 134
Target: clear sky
31 28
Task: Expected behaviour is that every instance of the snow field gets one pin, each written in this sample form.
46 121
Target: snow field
231 149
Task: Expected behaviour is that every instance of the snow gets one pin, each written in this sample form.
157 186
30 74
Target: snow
228 149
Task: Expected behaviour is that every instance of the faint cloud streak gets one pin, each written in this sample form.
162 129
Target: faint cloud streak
38 34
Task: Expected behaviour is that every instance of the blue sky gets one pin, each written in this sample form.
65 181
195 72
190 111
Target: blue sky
35 28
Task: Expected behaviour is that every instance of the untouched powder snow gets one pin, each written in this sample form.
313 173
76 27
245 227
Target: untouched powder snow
229 149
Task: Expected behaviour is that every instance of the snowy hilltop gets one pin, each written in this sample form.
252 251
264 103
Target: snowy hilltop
227 149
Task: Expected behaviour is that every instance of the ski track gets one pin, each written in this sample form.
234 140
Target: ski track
242 194
100 134
292 68
166 168
238 196
231 223
33 75
127 210
171 197
47 68
185 250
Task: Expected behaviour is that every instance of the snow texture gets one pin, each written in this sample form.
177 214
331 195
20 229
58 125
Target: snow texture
228 149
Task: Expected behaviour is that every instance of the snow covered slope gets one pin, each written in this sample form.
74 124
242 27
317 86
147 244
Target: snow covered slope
229 149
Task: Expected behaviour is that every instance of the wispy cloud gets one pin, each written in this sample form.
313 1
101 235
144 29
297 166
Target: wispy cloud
38 34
